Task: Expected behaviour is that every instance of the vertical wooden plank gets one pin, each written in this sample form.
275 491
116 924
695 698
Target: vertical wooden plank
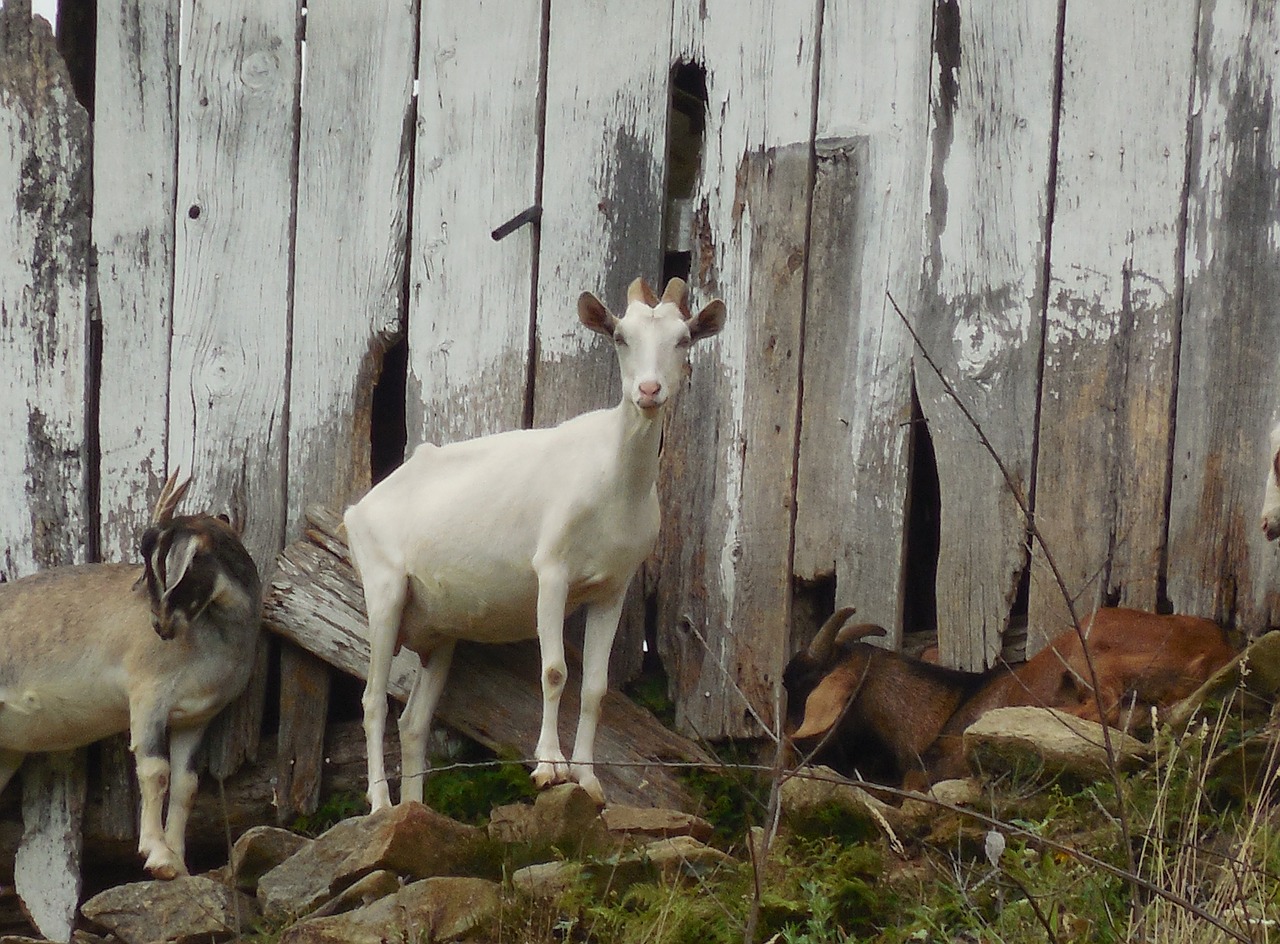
726 566
237 130
134 169
980 317
470 307
44 228
304 697
602 193
872 126
352 221
47 865
1229 378
1112 320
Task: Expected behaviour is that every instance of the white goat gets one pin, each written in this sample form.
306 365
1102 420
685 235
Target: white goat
155 650
1271 495
498 538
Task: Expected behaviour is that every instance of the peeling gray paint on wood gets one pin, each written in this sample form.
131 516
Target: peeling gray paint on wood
1107 398
475 168
47 864
980 314
134 167
229 357
852 484
44 227
352 229
1220 565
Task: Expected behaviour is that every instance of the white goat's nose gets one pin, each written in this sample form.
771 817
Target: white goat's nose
650 388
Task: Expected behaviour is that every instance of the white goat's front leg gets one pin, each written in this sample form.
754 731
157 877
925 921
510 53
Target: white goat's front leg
183 783
147 739
553 592
415 720
384 600
602 626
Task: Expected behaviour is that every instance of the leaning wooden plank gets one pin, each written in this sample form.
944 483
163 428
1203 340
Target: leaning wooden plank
349 263
47 863
44 229
1229 396
134 169
494 696
1110 329
980 314
470 294
227 410
872 124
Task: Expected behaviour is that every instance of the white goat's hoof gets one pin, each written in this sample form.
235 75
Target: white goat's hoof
550 772
164 865
587 779
379 799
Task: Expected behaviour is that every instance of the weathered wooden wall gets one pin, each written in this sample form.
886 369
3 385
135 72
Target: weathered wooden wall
1074 203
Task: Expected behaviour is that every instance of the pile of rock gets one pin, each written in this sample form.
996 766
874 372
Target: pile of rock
406 873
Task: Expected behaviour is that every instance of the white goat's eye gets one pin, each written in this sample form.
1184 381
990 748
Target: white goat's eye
685 341
619 340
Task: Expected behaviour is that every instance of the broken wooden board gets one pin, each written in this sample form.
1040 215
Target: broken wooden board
47 863
316 602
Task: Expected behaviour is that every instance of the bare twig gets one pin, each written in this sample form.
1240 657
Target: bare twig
1033 529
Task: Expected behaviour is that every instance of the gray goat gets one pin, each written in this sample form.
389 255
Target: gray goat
156 650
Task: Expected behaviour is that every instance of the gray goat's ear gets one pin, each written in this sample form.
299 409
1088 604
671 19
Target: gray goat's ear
826 703
182 551
593 314
707 322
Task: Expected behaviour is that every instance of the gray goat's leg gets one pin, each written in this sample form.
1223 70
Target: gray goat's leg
183 782
415 720
147 736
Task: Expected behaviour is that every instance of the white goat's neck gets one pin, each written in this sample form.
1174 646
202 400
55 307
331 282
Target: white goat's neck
639 445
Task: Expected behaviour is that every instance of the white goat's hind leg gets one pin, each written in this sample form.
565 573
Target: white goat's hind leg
553 592
183 783
415 720
602 626
384 599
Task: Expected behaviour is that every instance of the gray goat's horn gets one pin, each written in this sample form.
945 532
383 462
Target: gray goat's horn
860 631
170 495
820 648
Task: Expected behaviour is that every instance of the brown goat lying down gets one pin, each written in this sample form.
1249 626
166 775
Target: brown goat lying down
895 719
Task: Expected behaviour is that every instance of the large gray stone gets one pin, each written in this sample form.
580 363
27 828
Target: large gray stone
185 910
409 840
434 909
1044 739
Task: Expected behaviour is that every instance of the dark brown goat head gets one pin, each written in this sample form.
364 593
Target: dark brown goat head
814 685
192 562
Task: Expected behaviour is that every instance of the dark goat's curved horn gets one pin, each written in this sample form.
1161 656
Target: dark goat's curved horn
170 495
859 631
820 648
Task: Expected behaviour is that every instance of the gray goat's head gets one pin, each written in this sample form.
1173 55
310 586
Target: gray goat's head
192 562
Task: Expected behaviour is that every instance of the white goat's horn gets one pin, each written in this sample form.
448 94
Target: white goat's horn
820 648
170 495
677 292
639 291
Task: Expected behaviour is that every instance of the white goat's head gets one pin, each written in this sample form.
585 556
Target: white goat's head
1271 494
652 338
192 561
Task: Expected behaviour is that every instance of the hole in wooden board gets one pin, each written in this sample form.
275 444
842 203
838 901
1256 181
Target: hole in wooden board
686 126
924 527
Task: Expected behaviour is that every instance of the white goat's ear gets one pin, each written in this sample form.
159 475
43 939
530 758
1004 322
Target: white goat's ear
593 314
707 322
639 291
826 703
182 551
